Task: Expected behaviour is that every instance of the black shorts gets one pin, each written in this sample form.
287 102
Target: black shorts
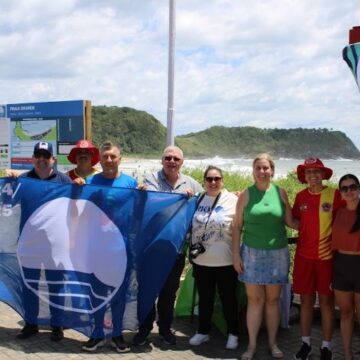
346 272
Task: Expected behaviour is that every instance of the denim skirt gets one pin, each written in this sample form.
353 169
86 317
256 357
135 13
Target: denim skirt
264 267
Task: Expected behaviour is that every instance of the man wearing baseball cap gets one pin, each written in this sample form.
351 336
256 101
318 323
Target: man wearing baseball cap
315 207
85 156
43 161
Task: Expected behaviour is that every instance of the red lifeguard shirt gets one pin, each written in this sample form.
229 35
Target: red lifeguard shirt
73 174
315 213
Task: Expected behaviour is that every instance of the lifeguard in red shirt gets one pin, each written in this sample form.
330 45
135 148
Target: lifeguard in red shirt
315 207
85 155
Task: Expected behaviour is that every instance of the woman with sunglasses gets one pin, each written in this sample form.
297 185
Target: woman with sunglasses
210 251
346 245
263 260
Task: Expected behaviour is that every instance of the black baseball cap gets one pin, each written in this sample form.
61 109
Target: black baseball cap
43 146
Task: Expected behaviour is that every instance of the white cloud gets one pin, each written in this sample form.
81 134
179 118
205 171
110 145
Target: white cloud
274 63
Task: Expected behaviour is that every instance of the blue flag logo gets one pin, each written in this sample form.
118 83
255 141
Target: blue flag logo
55 237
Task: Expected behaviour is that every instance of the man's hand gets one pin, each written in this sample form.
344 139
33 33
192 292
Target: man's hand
79 181
189 192
12 173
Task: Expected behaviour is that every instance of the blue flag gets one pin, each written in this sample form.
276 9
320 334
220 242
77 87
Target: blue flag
90 258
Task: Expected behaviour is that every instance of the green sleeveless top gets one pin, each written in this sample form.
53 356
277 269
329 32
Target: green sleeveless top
264 219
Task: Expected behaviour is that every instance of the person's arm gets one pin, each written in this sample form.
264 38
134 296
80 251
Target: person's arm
236 230
290 220
13 173
150 183
189 192
194 187
66 179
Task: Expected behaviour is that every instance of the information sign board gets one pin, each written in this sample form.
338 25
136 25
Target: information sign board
61 123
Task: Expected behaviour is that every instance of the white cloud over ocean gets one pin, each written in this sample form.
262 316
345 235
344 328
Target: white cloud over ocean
274 63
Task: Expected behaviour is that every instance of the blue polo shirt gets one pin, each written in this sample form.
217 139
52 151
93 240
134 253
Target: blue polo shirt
121 181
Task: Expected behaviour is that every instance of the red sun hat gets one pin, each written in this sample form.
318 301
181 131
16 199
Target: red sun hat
84 145
312 163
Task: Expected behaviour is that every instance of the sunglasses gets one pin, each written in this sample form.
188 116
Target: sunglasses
45 155
352 187
169 158
210 179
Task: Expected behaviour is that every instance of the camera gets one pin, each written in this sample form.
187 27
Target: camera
196 250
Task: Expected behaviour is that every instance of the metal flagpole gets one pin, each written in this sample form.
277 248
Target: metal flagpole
170 109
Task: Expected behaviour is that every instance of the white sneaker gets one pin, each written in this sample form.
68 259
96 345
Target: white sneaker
232 342
198 339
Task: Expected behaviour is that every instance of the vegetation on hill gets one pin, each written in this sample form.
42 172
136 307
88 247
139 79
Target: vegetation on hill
139 133
249 141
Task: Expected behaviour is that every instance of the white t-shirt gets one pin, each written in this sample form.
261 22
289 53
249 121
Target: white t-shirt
217 236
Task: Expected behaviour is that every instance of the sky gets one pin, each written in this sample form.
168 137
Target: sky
269 64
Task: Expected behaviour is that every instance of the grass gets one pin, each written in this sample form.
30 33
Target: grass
238 182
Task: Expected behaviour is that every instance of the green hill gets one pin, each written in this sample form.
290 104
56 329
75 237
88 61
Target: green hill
139 133
287 143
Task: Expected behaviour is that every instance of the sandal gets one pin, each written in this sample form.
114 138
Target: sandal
275 352
248 354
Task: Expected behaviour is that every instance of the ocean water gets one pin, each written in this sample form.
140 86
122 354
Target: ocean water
139 167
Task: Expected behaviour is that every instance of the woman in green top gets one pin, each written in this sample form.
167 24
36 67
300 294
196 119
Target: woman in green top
263 262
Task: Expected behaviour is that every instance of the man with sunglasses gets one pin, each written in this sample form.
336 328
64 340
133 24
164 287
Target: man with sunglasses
43 169
315 208
43 164
168 179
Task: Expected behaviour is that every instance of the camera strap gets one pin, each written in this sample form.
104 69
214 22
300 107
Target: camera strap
189 236
202 195
211 210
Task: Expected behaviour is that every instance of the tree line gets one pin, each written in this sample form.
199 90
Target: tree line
141 134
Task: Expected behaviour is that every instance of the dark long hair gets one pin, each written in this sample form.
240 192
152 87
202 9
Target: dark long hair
356 225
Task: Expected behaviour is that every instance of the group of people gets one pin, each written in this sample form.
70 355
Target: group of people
169 179
242 237
328 224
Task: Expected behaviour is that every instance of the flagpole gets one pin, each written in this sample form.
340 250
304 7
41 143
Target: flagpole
171 63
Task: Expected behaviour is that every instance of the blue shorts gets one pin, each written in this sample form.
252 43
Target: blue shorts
265 267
